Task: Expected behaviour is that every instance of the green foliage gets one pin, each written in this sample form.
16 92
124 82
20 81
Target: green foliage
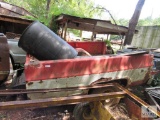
149 21
81 8
156 21
108 42
145 22
155 82
115 37
123 22
74 31
142 22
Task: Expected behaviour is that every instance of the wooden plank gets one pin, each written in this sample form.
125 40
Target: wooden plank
65 30
63 18
112 27
15 20
58 101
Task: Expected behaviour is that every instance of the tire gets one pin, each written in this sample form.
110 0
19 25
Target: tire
81 111
7 81
19 80
12 71
108 102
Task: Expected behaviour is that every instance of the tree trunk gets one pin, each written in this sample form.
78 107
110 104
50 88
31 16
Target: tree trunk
133 22
47 7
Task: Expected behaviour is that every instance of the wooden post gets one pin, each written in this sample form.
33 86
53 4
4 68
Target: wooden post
93 33
62 34
65 30
107 36
81 34
92 36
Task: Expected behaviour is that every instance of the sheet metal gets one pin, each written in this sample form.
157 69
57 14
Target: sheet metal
132 77
147 37
12 10
153 95
4 58
45 70
94 48
138 100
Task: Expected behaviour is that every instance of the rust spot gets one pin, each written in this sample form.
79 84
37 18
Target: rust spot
148 75
143 81
102 80
30 83
40 81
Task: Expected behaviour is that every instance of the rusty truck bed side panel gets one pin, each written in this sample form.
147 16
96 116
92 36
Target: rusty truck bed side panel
83 71
85 66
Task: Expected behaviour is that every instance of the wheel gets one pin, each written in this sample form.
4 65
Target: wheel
108 102
82 111
12 71
18 82
7 81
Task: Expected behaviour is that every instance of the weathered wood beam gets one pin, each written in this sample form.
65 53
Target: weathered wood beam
15 20
112 27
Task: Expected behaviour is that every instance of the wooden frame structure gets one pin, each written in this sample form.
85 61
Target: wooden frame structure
96 26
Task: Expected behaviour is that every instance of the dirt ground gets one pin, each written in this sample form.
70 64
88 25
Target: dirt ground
64 112
53 113
50 113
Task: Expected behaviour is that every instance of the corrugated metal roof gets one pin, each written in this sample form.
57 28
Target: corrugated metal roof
13 10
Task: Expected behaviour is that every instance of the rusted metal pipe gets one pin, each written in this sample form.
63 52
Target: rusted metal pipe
23 91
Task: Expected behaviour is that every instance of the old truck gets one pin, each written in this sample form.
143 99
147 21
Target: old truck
49 69
17 54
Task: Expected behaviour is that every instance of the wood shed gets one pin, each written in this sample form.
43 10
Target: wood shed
11 22
96 26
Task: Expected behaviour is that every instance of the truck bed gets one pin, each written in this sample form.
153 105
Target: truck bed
84 71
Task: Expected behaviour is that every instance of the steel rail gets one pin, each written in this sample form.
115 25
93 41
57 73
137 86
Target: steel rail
25 91
38 103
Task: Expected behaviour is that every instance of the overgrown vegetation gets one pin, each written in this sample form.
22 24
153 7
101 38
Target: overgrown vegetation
46 10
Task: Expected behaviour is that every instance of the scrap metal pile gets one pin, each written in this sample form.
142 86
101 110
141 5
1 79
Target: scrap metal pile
54 74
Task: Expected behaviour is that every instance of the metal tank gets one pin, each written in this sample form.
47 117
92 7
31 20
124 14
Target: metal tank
42 43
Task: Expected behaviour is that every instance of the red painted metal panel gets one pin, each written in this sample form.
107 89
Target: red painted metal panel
84 66
94 48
